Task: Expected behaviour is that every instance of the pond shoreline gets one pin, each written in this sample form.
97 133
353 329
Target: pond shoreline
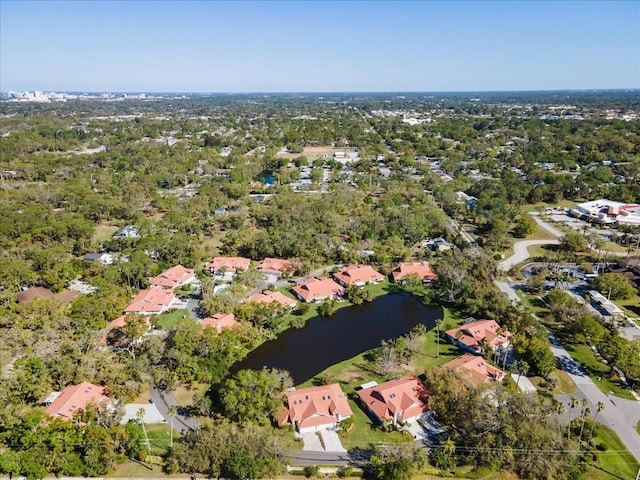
351 330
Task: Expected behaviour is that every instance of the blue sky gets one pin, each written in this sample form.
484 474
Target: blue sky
290 46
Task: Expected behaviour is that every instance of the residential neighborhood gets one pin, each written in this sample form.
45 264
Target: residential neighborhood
246 286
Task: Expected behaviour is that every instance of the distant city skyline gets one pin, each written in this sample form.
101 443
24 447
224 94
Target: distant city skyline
318 46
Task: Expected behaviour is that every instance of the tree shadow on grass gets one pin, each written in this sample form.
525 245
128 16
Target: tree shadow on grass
634 308
598 467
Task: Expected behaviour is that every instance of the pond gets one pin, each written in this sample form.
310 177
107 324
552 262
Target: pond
325 341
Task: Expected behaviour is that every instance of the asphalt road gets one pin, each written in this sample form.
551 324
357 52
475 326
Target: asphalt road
521 252
619 414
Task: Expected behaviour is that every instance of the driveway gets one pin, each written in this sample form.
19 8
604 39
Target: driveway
331 441
193 306
163 399
311 442
151 413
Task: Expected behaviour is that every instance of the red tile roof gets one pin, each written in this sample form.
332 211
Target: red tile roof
153 300
471 334
75 398
174 277
315 406
275 266
401 399
220 321
34 293
269 296
317 289
231 264
423 270
480 371
358 275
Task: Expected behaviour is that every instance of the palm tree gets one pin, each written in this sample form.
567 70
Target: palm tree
438 323
586 413
172 411
561 409
584 402
140 418
599 408
574 403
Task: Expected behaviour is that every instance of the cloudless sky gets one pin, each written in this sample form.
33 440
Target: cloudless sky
264 46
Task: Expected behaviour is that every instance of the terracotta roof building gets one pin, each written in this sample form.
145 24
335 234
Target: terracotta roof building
275 266
478 369
151 302
75 399
357 275
269 296
228 264
422 270
317 289
174 277
398 400
220 321
315 408
34 293
470 335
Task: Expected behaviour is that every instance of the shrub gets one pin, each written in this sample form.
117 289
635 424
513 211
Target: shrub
344 472
311 471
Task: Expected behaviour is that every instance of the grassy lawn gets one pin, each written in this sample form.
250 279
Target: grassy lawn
159 437
535 207
102 233
367 432
613 463
184 394
168 320
358 370
565 384
540 251
631 306
598 371
132 469
376 290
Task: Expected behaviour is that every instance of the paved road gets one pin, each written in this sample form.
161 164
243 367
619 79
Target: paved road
546 226
620 414
303 458
506 288
521 252
520 249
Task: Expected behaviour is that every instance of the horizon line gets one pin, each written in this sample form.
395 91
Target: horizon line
293 92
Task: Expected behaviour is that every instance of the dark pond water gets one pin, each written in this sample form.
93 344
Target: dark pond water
323 342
